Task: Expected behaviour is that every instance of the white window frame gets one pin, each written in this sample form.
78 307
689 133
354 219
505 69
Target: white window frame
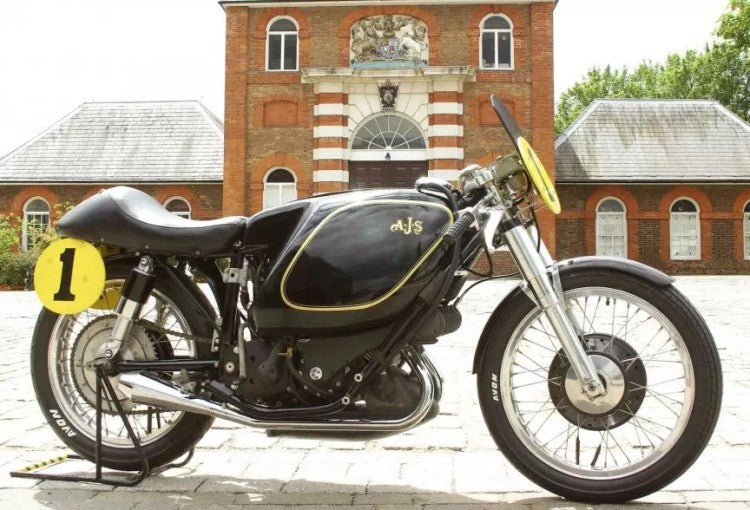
746 231
183 199
673 217
25 222
497 31
280 185
283 42
624 215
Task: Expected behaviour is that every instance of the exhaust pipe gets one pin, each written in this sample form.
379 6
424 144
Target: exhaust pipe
145 390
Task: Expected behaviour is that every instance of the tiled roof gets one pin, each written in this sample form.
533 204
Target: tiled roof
641 140
165 141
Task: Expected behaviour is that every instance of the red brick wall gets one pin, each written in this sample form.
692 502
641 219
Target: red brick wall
205 199
453 32
721 213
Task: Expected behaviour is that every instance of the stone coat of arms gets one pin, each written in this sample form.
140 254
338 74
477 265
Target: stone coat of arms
389 41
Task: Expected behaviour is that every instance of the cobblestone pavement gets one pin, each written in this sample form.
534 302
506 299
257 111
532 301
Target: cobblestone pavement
448 462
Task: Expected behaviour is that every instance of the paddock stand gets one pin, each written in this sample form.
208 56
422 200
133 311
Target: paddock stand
118 480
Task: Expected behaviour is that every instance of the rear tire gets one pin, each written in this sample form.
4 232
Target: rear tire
706 371
175 442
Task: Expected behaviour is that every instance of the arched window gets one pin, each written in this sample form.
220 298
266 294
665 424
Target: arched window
35 221
389 132
746 230
279 187
282 48
611 228
684 230
496 43
178 206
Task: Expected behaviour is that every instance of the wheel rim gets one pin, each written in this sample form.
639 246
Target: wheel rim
72 347
629 437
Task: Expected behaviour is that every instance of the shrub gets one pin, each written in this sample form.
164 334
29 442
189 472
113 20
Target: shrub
15 268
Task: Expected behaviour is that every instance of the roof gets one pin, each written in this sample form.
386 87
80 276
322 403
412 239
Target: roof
161 141
644 140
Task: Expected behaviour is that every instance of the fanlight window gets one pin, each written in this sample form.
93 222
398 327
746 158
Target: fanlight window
282 45
35 222
389 132
178 206
746 223
684 230
496 43
611 228
279 188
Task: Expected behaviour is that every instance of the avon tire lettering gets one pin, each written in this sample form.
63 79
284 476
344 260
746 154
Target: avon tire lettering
494 385
61 423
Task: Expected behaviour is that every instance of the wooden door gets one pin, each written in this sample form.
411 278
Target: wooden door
385 174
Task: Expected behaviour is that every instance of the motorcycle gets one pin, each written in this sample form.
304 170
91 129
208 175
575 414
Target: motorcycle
596 377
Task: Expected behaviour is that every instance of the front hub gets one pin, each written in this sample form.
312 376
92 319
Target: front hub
620 370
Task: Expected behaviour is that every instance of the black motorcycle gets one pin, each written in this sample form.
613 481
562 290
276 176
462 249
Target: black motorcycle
597 378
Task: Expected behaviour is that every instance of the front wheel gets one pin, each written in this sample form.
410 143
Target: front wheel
657 360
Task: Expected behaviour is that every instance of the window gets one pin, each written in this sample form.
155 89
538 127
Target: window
178 206
611 228
746 230
279 188
389 132
496 43
35 221
282 45
684 230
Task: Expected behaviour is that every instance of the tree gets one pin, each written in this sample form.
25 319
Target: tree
721 71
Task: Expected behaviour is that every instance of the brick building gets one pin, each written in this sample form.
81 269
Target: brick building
663 182
172 150
332 95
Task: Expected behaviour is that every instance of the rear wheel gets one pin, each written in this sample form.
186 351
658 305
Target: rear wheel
658 362
62 350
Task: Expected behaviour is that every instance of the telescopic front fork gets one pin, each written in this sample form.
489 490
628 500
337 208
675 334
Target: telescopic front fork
538 270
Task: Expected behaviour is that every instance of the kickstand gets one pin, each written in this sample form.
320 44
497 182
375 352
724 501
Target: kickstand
102 385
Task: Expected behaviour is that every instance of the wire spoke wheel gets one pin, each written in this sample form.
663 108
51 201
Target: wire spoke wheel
643 363
77 341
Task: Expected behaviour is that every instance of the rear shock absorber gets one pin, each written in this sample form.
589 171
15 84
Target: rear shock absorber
138 285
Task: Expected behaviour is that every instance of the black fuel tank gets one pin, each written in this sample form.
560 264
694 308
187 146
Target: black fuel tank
352 259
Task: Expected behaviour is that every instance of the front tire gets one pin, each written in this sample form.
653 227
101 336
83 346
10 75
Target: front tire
67 400
629 461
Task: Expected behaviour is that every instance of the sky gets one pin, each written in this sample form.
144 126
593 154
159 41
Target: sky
55 55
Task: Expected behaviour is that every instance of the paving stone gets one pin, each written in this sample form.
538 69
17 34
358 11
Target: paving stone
450 462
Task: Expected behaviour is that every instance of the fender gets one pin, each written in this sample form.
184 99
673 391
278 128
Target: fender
570 266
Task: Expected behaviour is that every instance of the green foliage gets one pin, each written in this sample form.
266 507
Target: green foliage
721 71
16 264
15 268
8 233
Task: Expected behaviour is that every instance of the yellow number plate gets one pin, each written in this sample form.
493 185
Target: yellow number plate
539 176
69 276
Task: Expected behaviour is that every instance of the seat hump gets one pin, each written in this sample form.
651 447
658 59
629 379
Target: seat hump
129 218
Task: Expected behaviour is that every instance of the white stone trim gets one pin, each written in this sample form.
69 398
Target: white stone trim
355 3
330 109
445 130
446 108
448 175
379 155
330 176
330 153
330 87
445 153
331 132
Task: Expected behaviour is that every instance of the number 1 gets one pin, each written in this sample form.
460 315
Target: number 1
63 293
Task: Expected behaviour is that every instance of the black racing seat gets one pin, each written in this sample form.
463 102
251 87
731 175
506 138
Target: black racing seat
131 219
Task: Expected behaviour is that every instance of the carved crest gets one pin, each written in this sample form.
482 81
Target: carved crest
388 93
389 41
